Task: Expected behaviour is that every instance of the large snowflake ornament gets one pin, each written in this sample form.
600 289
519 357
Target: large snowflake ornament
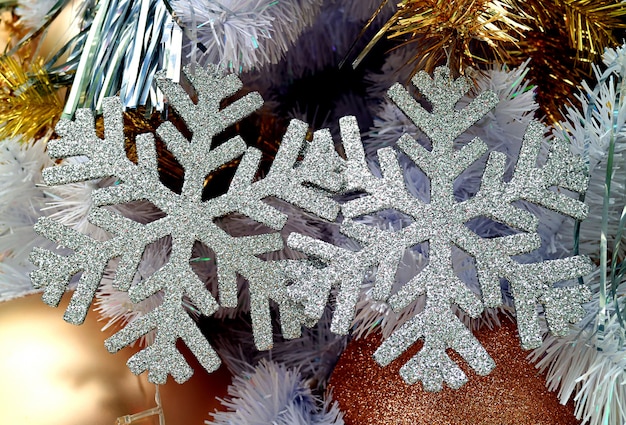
302 174
442 222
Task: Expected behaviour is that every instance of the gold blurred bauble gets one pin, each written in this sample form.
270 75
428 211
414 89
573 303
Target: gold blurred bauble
54 373
513 394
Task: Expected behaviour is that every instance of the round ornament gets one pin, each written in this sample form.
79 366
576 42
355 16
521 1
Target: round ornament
513 393
54 372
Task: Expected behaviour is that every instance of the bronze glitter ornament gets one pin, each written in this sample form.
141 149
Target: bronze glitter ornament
513 394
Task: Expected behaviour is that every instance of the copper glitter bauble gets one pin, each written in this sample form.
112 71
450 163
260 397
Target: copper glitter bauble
513 394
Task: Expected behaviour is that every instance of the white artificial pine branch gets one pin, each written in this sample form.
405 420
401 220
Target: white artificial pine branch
589 130
272 394
589 364
588 368
32 12
395 69
245 34
315 353
21 199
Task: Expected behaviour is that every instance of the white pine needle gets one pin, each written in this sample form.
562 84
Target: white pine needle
273 394
245 34
589 369
33 12
315 353
590 135
588 365
21 200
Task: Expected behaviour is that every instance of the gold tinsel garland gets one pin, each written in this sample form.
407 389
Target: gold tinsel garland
29 103
460 33
562 38
567 37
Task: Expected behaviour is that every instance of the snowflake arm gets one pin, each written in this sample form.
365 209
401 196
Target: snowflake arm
311 284
493 258
345 269
562 169
78 138
319 167
380 190
205 118
489 199
432 365
358 177
303 183
90 257
265 282
54 271
170 320
161 358
531 183
532 283
445 123
288 179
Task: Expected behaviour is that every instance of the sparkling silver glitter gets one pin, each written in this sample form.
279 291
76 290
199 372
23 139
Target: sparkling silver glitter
441 222
303 174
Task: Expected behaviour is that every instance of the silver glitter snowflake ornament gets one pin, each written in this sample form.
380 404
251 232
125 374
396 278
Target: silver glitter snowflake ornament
303 174
442 223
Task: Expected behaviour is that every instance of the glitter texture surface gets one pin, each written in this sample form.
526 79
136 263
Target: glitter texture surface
306 174
442 223
514 393
303 174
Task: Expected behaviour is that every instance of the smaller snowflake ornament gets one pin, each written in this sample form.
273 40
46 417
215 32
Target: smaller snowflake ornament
442 223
